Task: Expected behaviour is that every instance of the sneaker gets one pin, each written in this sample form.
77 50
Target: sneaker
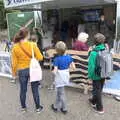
12 81
91 103
64 111
51 87
24 110
53 108
39 109
99 111
117 98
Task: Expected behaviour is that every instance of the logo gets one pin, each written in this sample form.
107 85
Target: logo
9 2
17 1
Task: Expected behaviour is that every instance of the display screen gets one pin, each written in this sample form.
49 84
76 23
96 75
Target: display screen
91 15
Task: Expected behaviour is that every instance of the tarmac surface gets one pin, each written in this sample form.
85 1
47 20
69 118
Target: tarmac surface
78 107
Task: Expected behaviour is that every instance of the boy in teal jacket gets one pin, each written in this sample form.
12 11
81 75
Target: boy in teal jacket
98 82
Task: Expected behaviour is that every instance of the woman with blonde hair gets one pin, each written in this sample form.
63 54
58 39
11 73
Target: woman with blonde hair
21 57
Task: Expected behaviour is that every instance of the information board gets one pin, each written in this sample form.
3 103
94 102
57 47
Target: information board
17 20
17 3
5 65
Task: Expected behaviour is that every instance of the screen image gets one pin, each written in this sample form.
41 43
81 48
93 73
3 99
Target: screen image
91 15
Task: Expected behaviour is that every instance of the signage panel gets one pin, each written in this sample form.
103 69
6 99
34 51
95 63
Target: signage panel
16 3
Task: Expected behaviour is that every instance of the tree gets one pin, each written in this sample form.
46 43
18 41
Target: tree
3 23
3 12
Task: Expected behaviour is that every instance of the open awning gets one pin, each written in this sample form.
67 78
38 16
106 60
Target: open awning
56 4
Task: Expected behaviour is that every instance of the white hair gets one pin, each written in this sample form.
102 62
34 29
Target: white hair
83 37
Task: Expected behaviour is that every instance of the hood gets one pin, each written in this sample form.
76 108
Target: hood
100 47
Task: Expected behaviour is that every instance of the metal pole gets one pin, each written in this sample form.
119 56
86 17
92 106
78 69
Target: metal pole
117 35
115 41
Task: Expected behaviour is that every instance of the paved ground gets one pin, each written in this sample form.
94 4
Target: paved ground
77 104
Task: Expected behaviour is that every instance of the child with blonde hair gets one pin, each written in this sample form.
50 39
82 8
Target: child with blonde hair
61 63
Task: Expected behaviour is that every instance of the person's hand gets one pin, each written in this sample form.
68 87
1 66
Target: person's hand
72 66
54 72
90 49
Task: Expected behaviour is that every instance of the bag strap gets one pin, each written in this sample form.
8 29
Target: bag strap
33 56
25 52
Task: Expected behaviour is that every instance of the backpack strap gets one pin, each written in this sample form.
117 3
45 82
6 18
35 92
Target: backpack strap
25 51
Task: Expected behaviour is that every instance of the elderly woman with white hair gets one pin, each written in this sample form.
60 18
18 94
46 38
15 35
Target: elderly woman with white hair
80 43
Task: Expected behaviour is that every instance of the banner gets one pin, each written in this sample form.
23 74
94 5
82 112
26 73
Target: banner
17 20
113 85
16 3
5 65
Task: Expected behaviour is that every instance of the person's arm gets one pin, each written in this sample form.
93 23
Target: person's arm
72 66
55 64
14 63
89 51
55 70
91 64
37 52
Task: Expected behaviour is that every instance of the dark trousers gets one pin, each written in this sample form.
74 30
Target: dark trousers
23 78
97 93
64 36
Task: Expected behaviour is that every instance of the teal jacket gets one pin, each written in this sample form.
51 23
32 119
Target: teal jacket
92 63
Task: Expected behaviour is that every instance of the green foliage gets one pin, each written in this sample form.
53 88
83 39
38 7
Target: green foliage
3 12
3 23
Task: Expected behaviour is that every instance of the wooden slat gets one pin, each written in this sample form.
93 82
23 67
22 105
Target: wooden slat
117 64
79 58
77 75
81 64
51 52
116 56
80 74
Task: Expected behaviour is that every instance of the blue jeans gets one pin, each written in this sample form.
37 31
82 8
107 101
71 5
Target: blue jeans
23 79
60 99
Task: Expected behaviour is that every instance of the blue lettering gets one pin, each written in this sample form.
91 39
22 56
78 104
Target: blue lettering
14 1
17 1
9 2
20 1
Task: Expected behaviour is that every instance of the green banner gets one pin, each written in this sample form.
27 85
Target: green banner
17 20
